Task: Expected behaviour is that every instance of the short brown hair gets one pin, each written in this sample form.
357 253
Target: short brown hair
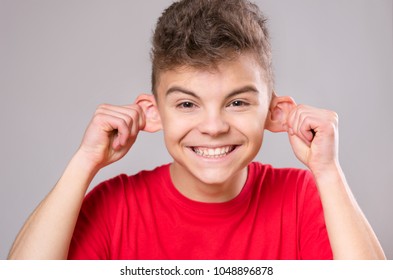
201 33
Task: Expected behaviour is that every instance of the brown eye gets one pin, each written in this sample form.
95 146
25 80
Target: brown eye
238 103
186 105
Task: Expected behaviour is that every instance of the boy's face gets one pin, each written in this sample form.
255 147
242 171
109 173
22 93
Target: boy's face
213 120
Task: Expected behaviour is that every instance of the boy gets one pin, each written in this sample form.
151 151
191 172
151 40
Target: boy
213 97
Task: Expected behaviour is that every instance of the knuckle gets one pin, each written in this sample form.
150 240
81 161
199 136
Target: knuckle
334 117
128 120
103 106
302 115
124 123
98 116
136 109
100 108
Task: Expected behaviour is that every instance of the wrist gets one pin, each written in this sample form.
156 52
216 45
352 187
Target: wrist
84 164
328 174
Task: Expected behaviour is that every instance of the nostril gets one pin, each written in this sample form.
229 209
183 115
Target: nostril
214 126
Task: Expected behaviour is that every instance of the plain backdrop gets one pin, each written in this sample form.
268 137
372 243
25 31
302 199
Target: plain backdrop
60 59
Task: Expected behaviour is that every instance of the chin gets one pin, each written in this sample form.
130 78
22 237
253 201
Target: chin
215 176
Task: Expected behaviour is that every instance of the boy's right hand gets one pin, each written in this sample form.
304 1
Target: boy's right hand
111 133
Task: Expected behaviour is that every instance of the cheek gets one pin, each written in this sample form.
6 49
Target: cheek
255 134
253 129
175 128
252 125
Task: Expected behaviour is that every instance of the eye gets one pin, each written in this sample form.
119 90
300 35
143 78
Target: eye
238 103
187 105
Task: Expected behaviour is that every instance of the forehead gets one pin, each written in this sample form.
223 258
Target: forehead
243 70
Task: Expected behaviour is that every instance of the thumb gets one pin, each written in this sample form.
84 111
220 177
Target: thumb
300 148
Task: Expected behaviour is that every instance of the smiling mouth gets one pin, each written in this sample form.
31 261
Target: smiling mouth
213 152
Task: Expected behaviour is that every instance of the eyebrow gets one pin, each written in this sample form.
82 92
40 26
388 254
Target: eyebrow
181 90
248 88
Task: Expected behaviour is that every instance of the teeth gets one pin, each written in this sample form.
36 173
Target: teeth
213 153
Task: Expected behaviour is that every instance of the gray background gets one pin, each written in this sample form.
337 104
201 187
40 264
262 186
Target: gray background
60 59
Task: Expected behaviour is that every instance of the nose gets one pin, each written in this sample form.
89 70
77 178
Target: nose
213 124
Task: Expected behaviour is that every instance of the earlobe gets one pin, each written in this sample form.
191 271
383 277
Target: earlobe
280 107
149 106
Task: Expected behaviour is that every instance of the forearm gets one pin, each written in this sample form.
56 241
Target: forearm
350 234
48 231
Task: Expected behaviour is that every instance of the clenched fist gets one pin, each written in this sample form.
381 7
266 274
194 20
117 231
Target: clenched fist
111 133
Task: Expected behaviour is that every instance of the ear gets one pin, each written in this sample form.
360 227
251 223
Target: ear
280 107
149 106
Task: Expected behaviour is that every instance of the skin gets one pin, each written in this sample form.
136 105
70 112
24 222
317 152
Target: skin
198 117
201 110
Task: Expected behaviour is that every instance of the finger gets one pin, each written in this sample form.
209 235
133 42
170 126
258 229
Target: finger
141 114
114 127
292 120
132 115
314 121
301 123
115 113
120 125
129 110
307 127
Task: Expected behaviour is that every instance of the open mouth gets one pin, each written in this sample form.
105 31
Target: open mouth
213 152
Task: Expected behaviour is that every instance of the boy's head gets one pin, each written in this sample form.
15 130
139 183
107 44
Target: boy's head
203 33
212 80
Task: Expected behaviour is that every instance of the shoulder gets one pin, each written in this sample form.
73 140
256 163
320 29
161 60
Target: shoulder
279 175
122 185
284 182
288 184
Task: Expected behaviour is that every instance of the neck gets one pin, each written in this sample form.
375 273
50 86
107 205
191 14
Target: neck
216 192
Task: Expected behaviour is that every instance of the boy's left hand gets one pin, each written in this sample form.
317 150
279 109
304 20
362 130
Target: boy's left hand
313 134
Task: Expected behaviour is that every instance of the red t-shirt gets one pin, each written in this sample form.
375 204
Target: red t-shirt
277 215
